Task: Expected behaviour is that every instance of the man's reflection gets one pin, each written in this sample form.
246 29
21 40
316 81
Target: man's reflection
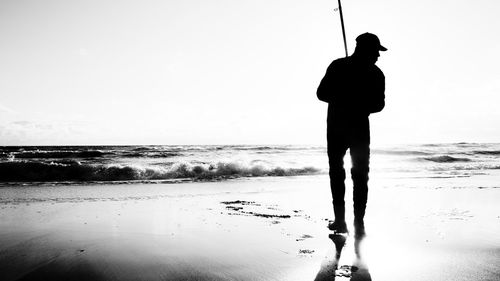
331 269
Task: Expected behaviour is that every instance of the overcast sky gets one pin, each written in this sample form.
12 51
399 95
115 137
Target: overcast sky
239 71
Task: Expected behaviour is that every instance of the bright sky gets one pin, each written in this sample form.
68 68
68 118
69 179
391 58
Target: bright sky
239 71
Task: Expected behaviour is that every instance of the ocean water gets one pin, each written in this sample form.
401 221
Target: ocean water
437 165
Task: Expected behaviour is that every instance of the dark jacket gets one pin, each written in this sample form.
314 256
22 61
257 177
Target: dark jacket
353 90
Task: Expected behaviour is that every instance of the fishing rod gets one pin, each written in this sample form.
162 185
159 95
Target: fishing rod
343 28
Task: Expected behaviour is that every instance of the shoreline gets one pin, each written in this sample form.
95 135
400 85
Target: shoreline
244 229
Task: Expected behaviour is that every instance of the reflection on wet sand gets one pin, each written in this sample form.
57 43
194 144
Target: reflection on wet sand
340 267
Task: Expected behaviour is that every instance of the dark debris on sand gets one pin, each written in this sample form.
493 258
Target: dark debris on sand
306 251
237 207
240 202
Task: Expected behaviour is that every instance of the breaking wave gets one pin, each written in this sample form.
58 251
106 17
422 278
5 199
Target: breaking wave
446 159
75 171
180 163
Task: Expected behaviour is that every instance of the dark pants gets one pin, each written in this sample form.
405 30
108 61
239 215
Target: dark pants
359 147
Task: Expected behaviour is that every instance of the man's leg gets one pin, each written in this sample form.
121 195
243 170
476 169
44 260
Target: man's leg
336 153
360 155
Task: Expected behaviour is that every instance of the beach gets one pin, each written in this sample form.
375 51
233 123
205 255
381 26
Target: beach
266 228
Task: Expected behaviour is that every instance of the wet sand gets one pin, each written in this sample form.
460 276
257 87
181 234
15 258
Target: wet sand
245 229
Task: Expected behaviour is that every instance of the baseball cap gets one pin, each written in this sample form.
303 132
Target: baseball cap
370 40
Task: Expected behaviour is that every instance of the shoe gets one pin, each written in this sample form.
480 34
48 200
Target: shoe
359 229
338 226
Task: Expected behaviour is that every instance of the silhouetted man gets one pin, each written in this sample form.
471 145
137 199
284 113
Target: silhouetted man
354 88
